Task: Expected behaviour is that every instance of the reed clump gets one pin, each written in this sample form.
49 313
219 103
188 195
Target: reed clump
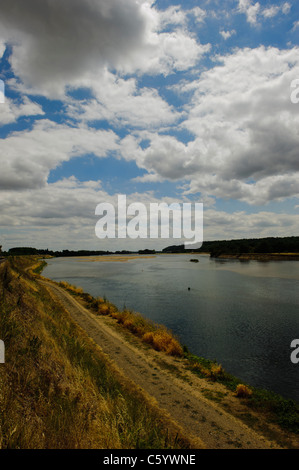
162 340
243 391
71 288
208 370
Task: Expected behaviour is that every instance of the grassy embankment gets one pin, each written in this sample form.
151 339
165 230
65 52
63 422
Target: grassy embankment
158 336
57 389
272 406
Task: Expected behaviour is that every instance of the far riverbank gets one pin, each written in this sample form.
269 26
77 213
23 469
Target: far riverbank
259 256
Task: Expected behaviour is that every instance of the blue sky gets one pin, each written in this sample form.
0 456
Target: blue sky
163 101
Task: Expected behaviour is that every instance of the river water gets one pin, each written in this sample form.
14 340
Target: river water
242 314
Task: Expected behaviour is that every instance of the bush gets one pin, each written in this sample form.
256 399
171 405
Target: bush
242 391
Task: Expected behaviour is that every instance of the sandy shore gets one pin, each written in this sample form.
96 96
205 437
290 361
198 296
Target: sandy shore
112 258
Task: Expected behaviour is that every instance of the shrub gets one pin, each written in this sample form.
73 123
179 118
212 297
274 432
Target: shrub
162 340
242 391
216 371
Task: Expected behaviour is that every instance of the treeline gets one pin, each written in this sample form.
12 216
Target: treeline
215 248
252 245
24 251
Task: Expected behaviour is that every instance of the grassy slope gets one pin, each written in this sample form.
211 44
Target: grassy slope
271 406
57 389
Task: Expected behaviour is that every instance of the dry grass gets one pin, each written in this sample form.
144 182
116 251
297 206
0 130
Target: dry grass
70 287
210 370
162 340
242 391
157 336
57 389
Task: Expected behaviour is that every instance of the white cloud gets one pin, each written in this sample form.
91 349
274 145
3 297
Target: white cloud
57 43
245 131
198 13
286 7
295 25
227 34
174 15
221 225
26 157
62 215
271 11
254 10
10 111
121 102
2 47
274 10
244 128
251 10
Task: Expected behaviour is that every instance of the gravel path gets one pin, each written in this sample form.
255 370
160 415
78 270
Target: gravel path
175 389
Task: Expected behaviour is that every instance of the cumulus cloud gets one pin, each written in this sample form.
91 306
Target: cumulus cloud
250 9
55 43
11 111
271 11
245 130
286 7
242 125
122 102
62 215
198 13
227 34
26 157
254 10
239 224
2 47
176 15
295 25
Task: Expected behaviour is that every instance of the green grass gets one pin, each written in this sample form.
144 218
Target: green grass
279 410
39 269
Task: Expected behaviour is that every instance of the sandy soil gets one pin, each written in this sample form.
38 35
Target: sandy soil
181 394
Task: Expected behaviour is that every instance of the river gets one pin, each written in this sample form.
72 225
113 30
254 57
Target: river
242 314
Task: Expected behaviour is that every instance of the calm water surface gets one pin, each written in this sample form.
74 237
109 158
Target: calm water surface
243 314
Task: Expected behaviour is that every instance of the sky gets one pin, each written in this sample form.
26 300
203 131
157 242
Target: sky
161 101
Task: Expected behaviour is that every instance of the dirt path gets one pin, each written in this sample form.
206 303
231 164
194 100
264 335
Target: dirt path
175 389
